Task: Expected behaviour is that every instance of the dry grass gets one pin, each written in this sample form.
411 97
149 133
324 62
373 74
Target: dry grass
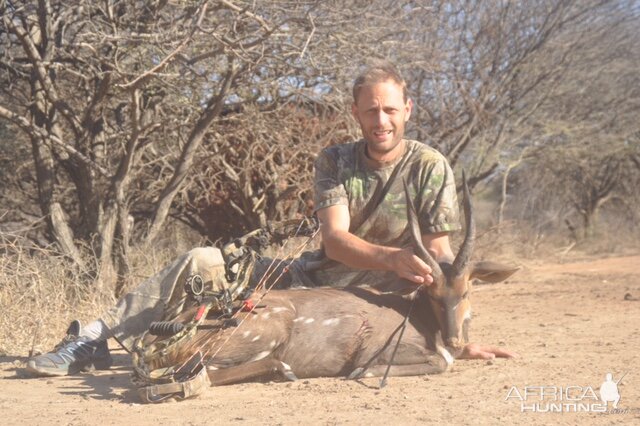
41 292
38 294
519 243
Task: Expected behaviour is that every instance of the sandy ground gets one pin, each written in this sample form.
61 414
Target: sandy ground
571 324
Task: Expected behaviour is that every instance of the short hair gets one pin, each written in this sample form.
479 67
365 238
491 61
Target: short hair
379 71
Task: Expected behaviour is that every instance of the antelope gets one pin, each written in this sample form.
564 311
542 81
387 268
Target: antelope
353 331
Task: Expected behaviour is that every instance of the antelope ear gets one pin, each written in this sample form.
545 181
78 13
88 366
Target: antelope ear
492 272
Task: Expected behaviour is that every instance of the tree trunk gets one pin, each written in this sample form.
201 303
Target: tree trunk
106 271
64 235
212 111
121 250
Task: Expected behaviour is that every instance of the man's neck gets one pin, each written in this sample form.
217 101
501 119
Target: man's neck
386 157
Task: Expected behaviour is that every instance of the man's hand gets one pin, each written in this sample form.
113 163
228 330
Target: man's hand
410 267
476 351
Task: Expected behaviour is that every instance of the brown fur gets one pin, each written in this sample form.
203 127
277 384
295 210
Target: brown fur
330 332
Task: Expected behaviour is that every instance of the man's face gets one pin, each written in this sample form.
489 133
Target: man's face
382 112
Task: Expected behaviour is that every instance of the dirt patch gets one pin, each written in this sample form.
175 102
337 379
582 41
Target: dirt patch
570 323
614 265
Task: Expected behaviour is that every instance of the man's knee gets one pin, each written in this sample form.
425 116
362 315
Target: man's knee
207 256
209 264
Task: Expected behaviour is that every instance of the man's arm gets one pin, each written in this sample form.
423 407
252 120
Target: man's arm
346 248
438 246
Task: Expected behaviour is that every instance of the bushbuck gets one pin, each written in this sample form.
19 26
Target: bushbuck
353 331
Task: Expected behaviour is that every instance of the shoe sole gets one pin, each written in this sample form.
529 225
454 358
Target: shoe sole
103 364
33 370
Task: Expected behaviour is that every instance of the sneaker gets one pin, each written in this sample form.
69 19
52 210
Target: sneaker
72 355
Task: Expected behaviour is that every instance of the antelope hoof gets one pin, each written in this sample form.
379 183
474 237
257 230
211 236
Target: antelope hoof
356 374
290 376
288 373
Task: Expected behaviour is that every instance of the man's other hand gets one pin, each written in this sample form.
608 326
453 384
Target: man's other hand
477 351
410 267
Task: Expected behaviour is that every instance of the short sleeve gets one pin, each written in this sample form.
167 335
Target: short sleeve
328 190
440 212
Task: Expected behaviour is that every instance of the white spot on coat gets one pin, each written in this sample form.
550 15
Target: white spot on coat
255 339
266 315
309 320
279 309
298 319
273 344
331 321
246 334
261 355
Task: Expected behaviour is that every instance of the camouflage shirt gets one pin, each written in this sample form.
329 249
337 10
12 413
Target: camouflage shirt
374 194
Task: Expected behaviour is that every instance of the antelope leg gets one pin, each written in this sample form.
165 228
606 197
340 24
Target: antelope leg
264 368
436 365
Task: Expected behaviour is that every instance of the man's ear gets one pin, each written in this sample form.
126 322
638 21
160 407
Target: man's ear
354 111
492 272
408 108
